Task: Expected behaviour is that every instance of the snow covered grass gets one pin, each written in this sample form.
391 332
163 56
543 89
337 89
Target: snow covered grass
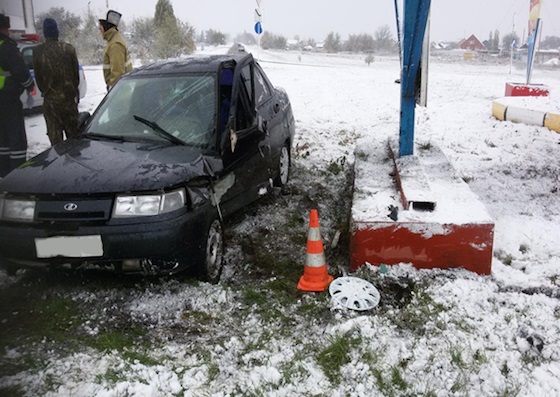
434 333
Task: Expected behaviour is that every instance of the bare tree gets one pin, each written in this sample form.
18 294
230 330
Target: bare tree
332 42
384 39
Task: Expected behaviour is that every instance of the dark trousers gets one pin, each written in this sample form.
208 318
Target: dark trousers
13 141
61 114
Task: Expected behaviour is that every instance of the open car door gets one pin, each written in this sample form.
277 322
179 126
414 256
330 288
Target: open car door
243 140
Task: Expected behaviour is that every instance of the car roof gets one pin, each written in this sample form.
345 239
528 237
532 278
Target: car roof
192 64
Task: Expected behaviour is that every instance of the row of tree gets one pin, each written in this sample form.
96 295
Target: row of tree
511 40
381 42
166 36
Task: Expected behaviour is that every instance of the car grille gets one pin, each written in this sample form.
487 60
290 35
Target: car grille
73 210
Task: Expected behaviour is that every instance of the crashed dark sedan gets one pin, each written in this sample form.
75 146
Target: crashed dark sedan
173 149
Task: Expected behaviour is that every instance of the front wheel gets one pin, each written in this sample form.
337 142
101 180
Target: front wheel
283 167
213 259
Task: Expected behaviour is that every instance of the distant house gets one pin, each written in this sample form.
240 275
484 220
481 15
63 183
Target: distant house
441 45
472 44
293 44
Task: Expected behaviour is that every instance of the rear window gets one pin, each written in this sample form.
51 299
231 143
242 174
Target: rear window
27 53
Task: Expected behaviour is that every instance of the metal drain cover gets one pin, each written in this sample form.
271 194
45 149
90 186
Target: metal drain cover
354 293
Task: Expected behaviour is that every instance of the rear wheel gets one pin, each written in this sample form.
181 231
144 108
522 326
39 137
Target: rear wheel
283 167
213 254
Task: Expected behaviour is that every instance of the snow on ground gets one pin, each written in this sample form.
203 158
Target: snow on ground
464 334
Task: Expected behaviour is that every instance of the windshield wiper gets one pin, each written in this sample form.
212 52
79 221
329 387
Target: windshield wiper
93 135
160 131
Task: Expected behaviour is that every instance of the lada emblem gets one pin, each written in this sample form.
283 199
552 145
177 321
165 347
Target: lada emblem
70 206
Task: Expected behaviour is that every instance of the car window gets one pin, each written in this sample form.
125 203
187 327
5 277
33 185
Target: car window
27 53
246 75
263 91
184 106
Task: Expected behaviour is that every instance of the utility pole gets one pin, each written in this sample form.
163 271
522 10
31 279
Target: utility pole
512 43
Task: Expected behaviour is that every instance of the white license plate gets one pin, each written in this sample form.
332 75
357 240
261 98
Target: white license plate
69 246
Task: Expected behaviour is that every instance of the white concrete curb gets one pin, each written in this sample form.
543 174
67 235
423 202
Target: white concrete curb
516 114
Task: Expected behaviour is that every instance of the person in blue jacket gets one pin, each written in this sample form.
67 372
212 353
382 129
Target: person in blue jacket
14 78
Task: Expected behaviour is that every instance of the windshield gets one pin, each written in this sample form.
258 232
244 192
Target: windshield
183 106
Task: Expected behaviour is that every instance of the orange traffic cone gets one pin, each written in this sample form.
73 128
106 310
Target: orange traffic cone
315 277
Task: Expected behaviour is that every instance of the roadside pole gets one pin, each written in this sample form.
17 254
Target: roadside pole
258 26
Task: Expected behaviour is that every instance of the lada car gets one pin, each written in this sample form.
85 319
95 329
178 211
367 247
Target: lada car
174 148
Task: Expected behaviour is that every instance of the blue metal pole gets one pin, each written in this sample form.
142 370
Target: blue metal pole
415 19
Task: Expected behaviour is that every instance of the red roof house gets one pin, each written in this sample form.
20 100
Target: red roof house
472 44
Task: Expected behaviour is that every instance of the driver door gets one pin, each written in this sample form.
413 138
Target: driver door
243 143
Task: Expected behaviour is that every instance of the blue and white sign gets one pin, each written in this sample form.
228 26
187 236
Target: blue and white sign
258 28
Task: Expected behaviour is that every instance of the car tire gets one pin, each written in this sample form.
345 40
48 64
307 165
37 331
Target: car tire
213 253
283 168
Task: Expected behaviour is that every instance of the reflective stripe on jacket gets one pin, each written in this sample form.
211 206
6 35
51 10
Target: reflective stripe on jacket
14 74
3 74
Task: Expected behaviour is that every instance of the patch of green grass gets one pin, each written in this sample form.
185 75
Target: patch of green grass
398 380
53 319
294 220
361 156
293 370
459 385
529 358
336 355
337 166
523 248
509 391
213 369
425 146
383 385
198 317
390 383
130 342
268 262
12 391
505 370
479 357
111 376
254 296
503 256
213 372
419 312
457 357
139 357
302 150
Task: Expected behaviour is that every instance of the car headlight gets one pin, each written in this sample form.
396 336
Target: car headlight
17 210
148 204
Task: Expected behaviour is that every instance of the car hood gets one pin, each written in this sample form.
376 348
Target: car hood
86 166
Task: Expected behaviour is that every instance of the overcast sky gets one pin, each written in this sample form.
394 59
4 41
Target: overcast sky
451 20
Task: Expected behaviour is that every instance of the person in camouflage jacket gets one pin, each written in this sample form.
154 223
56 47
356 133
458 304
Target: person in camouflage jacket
116 59
14 78
57 76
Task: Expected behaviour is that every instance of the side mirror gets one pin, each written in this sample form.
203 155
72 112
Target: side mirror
83 118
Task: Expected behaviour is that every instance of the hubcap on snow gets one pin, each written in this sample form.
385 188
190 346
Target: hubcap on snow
284 165
354 293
